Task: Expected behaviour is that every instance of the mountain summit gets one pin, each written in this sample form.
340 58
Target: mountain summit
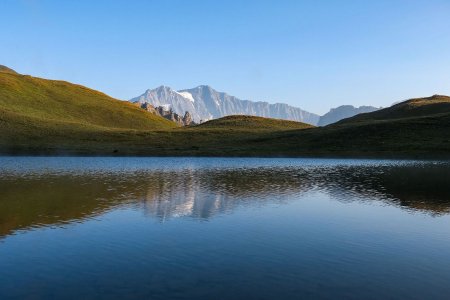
204 103
178 102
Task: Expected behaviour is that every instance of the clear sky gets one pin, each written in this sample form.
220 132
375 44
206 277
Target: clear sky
311 54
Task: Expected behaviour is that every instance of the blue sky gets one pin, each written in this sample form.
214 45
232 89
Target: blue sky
311 54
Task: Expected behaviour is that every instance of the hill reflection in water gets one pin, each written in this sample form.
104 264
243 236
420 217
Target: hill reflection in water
75 189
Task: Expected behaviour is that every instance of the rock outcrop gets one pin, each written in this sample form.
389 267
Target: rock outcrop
168 114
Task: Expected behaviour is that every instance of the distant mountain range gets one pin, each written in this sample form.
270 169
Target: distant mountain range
343 112
204 103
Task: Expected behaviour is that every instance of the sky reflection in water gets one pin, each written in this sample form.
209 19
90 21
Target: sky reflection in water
231 228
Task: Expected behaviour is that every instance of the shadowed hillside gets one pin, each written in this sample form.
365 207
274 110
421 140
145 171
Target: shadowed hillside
252 123
413 108
415 128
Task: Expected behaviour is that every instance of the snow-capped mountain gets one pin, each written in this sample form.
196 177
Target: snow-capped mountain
343 112
164 96
205 103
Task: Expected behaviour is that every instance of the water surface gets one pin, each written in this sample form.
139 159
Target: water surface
218 228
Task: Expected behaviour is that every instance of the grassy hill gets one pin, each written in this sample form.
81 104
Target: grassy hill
413 108
242 122
421 137
36 112
417 128
54 101
39 116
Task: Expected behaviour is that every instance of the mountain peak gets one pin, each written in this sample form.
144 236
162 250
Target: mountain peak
204 87
164 87
204 103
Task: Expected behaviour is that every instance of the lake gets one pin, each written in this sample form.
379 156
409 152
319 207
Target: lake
223 228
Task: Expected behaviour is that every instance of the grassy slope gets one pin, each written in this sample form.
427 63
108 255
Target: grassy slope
418 127
413 108
59 101
413 137
252 123
40 116
414 128
36 113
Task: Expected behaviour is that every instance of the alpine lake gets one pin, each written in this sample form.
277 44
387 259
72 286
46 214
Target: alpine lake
223 228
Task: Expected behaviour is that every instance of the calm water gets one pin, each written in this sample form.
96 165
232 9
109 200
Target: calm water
196 228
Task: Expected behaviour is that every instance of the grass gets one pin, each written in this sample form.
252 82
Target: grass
39 116
5 69
43 114
413 108
251 123
57 103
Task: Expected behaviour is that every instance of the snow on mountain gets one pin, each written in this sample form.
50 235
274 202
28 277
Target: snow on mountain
205 103
187 95
166 97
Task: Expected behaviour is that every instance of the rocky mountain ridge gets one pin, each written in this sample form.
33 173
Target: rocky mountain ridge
204 103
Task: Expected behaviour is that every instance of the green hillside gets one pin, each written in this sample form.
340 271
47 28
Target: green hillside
60 103
48 115
39 116
413 108
242 122
417 127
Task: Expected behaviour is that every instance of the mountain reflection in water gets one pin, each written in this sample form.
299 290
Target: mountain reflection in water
38 196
